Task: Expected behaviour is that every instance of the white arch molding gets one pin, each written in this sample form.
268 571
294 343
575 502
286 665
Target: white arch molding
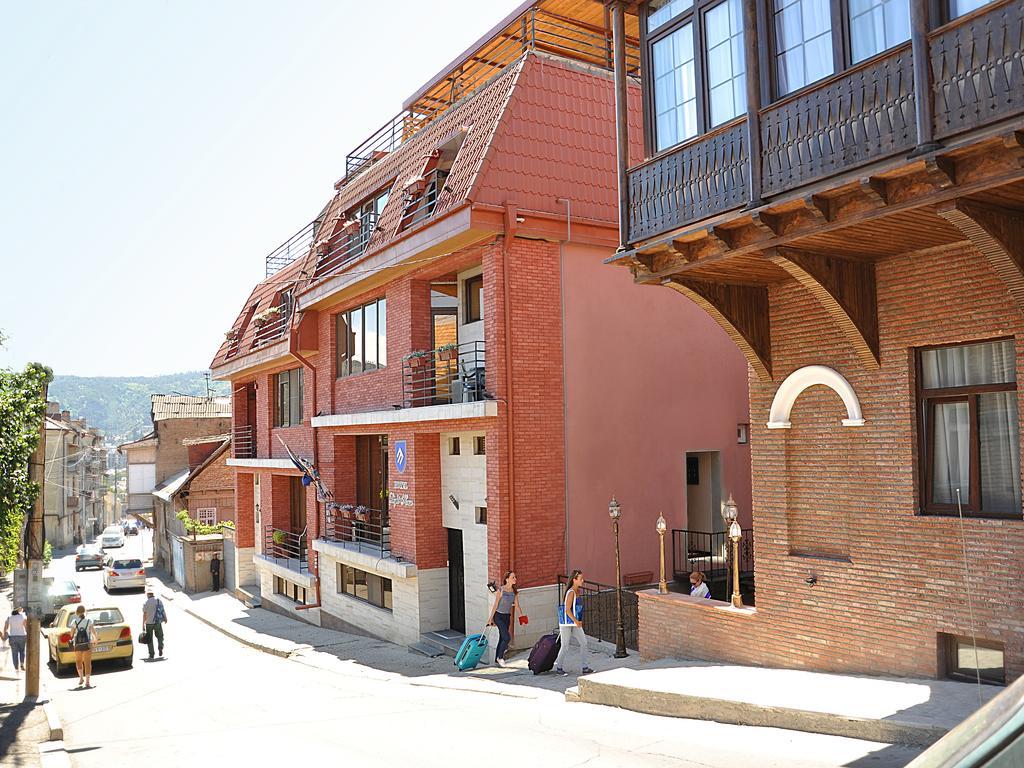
808 376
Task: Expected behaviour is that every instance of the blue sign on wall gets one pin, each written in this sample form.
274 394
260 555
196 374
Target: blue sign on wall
401 455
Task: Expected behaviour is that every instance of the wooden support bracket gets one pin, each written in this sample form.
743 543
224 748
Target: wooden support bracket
845 289
741 311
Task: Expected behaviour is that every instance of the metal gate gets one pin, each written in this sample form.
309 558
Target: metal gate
178 562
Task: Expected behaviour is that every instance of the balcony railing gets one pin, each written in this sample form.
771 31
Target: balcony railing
853 118
243 442
710 553
535 30
451 374
271 327
291 249
345 247
364 529
286 548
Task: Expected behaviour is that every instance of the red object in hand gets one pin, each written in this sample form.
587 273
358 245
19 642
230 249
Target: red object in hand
524 619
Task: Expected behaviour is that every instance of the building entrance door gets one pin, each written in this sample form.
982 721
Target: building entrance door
456 581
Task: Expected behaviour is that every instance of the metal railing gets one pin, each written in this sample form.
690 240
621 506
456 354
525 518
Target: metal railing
420 205
286 548
345 247
599 611
294 247
710 553
535 30
271 329
243 442
449 374
367 529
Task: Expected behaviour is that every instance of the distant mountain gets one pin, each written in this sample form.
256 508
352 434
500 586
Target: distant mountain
119 405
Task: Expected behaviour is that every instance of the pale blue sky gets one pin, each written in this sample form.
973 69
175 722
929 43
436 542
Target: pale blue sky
152 152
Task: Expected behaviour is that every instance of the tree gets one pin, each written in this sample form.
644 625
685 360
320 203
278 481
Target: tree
21 409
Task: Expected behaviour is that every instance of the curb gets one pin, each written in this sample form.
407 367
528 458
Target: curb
53 754
53 721
279 652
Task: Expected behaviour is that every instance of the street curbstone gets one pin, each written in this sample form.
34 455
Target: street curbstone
53 754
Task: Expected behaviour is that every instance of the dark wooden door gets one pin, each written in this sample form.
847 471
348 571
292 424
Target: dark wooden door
371 470
250 407
456 581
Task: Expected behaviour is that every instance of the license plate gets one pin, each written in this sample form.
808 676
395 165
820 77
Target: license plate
104 648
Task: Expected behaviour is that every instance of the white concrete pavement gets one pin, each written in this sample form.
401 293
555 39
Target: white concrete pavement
214 699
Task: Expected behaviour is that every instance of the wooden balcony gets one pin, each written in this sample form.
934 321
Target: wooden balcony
860 117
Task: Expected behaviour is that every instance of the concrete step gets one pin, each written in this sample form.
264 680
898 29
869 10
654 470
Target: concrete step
573 694
447 641
888 710
250 596
427 649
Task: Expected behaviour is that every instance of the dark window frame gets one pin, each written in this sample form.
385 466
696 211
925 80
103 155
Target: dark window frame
469 313
454 446
954 671
290 590
924 402
288 409
386 586
343 362
479 445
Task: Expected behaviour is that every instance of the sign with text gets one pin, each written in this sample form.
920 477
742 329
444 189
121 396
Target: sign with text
401 455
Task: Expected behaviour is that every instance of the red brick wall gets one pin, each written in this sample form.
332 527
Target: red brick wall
840 503
214 487
244 513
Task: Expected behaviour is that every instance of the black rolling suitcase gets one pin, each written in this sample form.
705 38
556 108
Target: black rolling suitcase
544 653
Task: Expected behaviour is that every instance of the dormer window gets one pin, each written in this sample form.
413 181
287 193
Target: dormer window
350 233
422 192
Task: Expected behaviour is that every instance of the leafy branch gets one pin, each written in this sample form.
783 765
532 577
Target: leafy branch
196 528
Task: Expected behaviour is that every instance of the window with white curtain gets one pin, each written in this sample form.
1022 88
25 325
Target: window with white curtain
970 448
675 89
803 43
723 36
876 26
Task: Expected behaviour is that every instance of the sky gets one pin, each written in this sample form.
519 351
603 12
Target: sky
152 152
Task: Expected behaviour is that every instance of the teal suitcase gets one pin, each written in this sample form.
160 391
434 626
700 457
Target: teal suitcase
470 651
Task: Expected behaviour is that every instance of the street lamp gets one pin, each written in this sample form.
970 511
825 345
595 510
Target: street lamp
662 527
615 512
735 533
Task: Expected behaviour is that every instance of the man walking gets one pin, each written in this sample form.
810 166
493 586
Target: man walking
154 617
215 572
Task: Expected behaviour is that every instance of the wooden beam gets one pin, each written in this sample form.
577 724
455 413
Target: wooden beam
742 312
845 289
998 233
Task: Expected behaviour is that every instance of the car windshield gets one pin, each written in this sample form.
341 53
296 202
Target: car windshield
127 564
63 588
84 550
105 616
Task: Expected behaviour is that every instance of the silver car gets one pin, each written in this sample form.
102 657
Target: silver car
88 556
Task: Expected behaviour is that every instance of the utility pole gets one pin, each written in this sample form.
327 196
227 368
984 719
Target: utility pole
35 560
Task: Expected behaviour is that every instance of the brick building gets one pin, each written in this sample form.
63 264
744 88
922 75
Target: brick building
850 213
445 345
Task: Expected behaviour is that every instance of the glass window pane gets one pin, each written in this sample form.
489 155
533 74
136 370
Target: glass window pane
664 10
960 7
297 394
387 594
1000 452
988 363
370 331
803 43
951 452
727 92
877 25
818 58
382 333
356 352
675 91
342 343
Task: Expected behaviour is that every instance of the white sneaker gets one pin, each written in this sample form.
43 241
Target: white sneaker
500 662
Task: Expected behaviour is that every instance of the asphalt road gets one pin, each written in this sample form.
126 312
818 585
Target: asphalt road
214 701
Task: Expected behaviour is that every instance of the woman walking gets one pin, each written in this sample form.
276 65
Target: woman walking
570 624
506 602
83 635
16 633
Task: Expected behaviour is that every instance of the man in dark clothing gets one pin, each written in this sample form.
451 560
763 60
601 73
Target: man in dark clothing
215 572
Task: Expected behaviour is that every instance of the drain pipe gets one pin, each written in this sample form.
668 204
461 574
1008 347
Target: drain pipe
293 350
565 400
511 225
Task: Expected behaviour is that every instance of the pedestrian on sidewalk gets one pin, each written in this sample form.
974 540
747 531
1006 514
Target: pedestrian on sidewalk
83 635
154 617
570 624
506 602
215 572
16 633
698 588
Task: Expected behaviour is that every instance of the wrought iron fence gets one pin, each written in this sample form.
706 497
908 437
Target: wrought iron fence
286 548
295 246
599 611
364 528
449 374
348 245
710 553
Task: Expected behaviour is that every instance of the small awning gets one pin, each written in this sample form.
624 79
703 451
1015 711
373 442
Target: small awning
170 486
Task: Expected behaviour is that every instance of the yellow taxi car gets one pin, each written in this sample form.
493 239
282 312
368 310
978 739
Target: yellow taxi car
115 637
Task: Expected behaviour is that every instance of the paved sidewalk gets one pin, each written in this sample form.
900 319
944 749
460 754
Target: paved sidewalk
348 654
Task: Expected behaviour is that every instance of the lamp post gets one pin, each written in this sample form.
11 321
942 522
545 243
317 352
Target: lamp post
615 512
735 533
662 527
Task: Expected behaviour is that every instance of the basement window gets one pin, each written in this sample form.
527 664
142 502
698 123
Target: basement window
454 448
288 589
481 515
967 662
479 445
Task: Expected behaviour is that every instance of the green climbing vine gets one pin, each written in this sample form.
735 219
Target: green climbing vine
195 528
21 408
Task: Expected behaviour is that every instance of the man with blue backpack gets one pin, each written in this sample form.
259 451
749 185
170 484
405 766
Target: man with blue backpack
154 617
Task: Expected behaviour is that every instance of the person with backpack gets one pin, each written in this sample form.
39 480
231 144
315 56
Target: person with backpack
570 624
83 635
154 617
506 603
16 633
697 586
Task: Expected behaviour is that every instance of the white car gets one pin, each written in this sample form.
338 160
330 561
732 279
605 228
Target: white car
128 573
111 539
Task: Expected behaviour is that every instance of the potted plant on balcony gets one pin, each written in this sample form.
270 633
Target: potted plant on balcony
277 537
417 359
266 316
231 335
362 514
448 352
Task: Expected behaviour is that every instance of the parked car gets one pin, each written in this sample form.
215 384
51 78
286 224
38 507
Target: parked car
126 573
88 556
62 592
131 529
115 637
111 539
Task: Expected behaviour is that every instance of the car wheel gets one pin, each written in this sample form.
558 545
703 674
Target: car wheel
127 661
58 668
77 569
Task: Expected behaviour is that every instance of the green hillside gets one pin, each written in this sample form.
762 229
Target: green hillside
119 405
